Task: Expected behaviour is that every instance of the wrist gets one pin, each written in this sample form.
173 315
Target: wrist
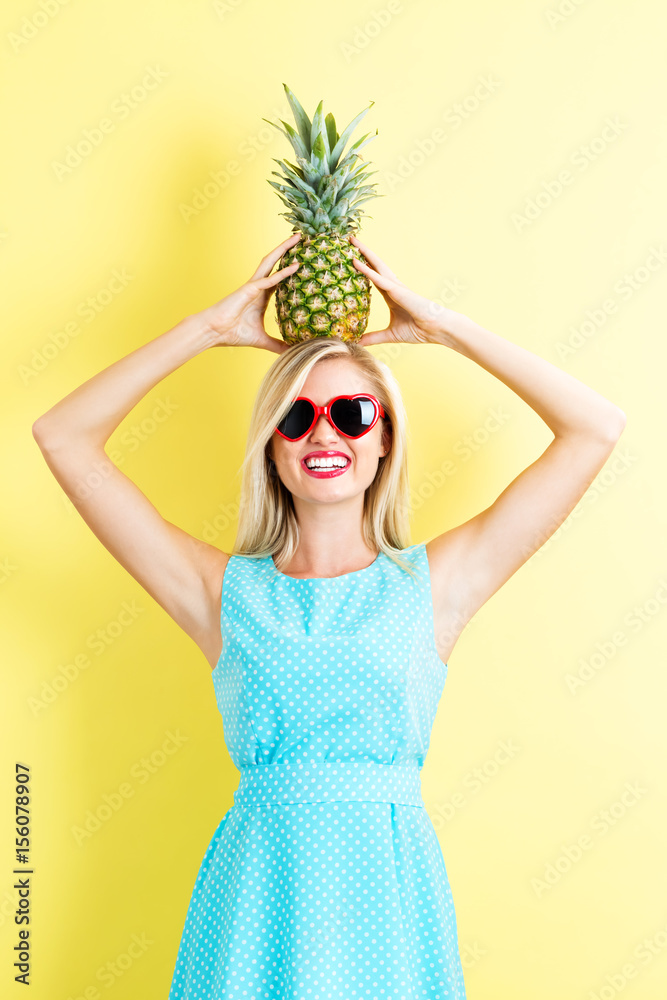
200 331
452 329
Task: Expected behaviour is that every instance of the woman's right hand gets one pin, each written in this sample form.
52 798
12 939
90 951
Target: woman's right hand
238 319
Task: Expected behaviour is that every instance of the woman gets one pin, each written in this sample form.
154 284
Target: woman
328 635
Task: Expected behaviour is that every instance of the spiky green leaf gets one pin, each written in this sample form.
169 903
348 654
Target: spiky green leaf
297 143
367 190
359 144
318 156
288 182
353 185
317 130
321 220
311 173
303 186
341 209
342 142
360 201
332 136
300 117
329 196
294 173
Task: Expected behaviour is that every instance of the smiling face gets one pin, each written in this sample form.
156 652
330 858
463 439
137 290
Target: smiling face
328 379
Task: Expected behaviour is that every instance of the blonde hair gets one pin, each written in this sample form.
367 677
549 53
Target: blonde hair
267 519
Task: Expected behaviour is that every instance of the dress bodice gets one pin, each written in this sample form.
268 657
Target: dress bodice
328 669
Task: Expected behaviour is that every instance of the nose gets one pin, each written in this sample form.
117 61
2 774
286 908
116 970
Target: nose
322 430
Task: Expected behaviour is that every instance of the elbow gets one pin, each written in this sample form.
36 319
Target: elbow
37 430
40 431
616 424
606 429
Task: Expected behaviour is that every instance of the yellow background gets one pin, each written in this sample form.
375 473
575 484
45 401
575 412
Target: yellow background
535 920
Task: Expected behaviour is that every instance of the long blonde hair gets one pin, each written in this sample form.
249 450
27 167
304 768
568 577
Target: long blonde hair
267 520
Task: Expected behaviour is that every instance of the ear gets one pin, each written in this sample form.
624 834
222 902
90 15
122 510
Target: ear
386 437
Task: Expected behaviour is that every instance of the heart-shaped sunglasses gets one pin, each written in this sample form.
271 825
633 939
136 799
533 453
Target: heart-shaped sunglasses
353 416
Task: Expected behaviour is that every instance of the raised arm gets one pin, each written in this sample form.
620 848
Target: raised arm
181 572
471 561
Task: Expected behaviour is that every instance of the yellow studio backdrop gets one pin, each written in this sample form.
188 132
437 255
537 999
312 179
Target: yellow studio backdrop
522 155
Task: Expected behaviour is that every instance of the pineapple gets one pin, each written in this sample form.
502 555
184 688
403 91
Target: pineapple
326 296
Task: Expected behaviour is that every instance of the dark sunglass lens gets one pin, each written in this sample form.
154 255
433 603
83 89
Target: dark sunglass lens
353 416
298 419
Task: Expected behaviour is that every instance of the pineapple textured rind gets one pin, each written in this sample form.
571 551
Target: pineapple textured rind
326 296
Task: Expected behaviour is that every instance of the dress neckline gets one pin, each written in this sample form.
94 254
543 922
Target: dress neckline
321 579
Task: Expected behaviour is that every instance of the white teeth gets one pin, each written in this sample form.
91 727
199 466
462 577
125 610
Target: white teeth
326 463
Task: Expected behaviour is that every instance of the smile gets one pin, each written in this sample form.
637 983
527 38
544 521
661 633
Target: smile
325 471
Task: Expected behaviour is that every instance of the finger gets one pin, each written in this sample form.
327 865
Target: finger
273 344
266 263
375 337
376 261
274 279
377 277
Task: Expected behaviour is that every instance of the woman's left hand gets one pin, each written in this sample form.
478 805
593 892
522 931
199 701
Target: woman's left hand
412 318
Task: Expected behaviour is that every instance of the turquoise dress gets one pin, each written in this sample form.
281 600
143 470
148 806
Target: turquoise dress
325 880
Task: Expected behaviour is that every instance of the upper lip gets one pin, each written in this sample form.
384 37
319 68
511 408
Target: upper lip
325 454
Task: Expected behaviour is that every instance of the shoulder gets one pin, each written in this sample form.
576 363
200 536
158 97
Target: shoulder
413 554
409 562
219 567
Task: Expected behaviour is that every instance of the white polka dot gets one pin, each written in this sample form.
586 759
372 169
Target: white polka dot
325 880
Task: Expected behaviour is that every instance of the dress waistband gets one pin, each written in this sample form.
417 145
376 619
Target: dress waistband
329 781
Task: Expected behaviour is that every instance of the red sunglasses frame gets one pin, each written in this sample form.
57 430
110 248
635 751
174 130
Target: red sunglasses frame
379 412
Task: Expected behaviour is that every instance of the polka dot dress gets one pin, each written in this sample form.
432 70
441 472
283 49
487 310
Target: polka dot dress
325 880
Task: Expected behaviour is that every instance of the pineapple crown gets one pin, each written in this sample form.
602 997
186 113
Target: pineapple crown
323 190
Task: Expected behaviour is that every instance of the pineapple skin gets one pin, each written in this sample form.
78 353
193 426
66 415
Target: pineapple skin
326 296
